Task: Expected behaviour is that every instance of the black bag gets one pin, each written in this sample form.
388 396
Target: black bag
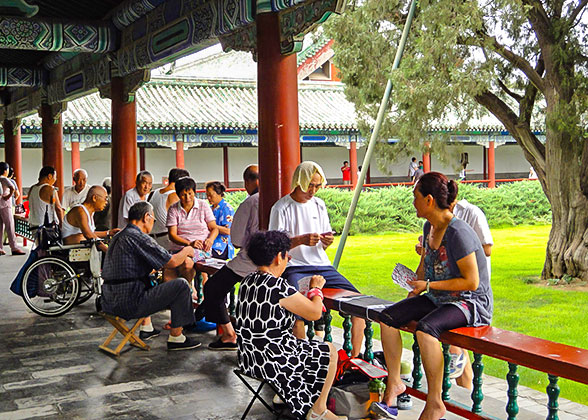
49 233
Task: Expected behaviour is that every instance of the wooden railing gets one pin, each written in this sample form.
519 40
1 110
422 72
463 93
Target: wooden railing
555 359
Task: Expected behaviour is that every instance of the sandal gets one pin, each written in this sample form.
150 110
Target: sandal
314 416
167 326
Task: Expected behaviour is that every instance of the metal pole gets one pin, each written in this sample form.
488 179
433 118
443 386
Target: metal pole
375 133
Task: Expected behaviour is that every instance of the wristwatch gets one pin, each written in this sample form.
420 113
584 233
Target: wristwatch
428 285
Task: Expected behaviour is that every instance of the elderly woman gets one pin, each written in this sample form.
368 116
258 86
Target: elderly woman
452 290
222 248
301 370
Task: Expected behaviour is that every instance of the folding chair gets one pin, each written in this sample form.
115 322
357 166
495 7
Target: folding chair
256 395
128 334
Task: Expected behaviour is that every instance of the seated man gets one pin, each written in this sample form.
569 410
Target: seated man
304 217
143 184
127 292
77 193
78 223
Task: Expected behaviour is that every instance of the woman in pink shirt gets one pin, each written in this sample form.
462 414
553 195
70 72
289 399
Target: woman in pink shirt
191 222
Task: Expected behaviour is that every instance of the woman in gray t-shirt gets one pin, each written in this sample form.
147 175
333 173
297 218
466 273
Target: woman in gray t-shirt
452 290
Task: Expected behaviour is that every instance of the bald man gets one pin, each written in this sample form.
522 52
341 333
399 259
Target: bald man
76 194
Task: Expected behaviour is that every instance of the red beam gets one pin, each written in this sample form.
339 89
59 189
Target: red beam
52 138
12 151
491 173
124 145
142 165
180 154
353 161
279 136
75 156
226 165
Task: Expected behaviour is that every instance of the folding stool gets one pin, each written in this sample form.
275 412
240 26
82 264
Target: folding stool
256 395
128 334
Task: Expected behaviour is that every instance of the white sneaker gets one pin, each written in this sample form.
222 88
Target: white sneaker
456 365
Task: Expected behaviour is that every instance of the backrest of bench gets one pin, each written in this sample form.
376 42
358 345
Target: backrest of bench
535 353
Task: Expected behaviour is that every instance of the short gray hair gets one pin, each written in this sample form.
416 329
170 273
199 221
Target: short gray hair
139 210
79 171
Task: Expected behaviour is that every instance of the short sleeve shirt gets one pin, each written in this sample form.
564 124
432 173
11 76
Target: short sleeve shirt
192 225
245 224
131 197
5 186
298 219
223 215
458 242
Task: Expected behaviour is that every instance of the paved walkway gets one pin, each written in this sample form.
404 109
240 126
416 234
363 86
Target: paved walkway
51 368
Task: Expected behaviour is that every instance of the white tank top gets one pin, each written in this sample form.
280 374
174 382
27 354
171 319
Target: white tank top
67 229
158 201
38 207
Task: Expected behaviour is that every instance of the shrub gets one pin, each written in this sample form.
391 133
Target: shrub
390 209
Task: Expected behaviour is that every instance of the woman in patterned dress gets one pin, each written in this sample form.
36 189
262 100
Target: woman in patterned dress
222 248
452 290
302 371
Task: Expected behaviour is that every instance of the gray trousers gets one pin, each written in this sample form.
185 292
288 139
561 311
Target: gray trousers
175 295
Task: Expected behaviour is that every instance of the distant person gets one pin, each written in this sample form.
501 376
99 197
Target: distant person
359 171
43 199
143 184
346 171
7 192
103 218
76 194
532 173
222 248
162 199
412 167
419 172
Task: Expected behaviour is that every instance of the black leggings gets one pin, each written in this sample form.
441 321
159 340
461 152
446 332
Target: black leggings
215 293
432 320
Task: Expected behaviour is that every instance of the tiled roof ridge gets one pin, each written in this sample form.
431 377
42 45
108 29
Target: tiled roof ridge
243 83
312 49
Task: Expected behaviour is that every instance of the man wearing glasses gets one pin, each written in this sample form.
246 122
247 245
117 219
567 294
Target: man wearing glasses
127 291
78 223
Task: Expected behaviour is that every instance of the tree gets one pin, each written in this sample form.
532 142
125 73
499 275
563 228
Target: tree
524 61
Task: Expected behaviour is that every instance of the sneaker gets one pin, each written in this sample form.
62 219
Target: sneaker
456 365
186 345
404 401
382 410
148 335
200 326
219 345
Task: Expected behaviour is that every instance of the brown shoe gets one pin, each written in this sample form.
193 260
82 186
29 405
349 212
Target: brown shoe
18 252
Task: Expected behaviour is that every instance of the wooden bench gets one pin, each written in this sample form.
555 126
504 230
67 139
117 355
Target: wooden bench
555 359
120 326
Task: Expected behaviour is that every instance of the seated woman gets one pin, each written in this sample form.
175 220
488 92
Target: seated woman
190 222
302 371
223 212
454 278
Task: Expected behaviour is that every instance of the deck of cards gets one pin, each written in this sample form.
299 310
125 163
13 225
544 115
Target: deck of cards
401 275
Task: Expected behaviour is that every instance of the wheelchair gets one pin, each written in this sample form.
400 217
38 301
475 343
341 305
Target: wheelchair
62 277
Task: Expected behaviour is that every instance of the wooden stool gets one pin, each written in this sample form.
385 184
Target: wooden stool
129 335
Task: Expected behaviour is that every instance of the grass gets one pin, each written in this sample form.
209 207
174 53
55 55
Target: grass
521 303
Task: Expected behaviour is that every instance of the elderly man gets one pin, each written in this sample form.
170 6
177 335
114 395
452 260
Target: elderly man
304 217
245 224
78 223
127 292
143 183
43 199
76 194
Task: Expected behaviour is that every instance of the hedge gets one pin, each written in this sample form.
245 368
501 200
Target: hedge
391 210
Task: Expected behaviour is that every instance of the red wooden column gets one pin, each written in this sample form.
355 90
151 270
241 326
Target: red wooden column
279 136
427 158
180 151
484 163
491 174
141 158
12 150
124 144
52 139
353 162
226 165
75 155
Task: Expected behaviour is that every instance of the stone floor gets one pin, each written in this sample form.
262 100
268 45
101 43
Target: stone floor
51 368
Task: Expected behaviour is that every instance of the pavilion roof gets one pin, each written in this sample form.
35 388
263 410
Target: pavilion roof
186 105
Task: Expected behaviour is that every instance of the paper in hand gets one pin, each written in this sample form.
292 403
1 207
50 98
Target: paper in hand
201 255
304 285
401 275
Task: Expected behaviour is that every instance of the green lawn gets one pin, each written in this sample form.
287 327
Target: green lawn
542 311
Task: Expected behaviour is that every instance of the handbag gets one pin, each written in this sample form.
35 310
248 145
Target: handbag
49 232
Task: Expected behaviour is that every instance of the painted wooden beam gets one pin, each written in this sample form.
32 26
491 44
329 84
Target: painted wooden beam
21 77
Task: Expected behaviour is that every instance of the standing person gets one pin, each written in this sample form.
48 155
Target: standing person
346 171
162 199
419 172
143 183
452 290
305 219
223 213
126 292
302 371
412 167
245 224
7 192
103 218
43 199
76 194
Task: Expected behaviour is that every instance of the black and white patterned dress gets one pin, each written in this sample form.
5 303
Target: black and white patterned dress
269 350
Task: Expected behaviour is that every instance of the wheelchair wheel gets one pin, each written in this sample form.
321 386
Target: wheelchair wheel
50 287
86 289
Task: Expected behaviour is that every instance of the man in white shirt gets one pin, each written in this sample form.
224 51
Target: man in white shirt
245 224
143 184
412 167
304 217
6 217
76 194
